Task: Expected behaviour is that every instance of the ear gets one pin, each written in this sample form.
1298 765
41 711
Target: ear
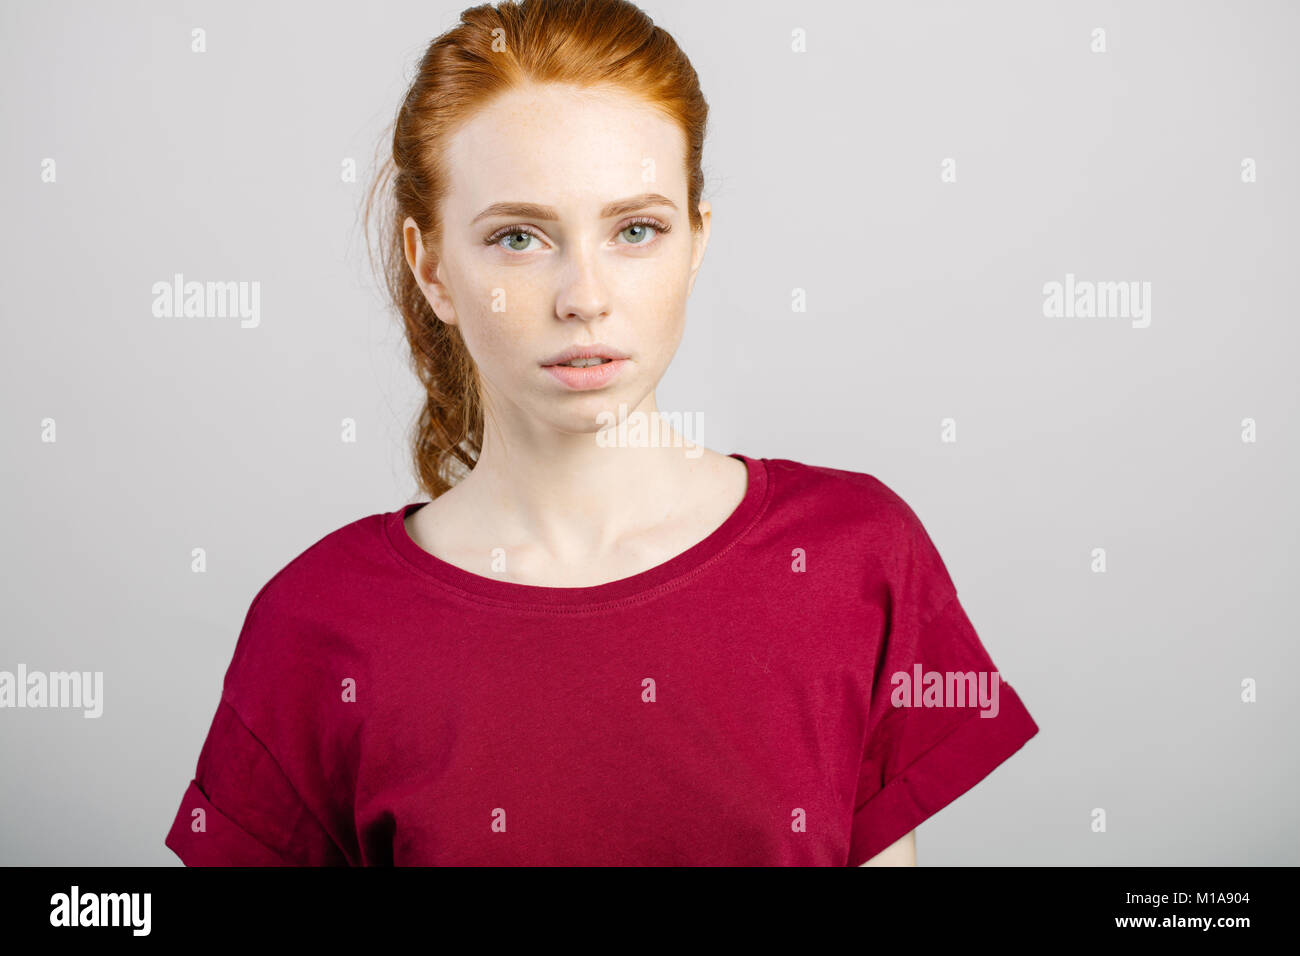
426 272
699 242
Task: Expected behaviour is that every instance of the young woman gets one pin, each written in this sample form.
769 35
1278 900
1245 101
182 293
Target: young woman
587 647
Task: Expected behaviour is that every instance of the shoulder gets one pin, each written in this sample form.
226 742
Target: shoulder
861 501
309 609
857 514
311 578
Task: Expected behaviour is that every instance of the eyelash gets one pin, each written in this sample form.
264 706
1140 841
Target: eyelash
659 227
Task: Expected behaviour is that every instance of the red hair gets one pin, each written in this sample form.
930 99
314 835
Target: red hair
587 43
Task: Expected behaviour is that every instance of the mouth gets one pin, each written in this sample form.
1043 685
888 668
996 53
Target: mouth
581 363
583 356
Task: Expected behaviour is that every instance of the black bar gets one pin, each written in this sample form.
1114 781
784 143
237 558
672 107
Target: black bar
964 904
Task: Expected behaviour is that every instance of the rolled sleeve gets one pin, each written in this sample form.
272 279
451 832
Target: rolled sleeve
241 810
941 717
955 764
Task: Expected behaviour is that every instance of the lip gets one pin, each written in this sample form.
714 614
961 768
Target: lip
593 376
596 350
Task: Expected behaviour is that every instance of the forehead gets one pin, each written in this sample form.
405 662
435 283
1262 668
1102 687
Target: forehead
562 145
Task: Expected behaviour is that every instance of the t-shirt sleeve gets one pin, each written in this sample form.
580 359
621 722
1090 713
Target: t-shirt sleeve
941 717
241 810
247 803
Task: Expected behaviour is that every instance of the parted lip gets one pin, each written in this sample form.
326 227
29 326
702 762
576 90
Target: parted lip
598 350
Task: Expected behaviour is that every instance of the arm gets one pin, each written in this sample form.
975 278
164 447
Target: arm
902 853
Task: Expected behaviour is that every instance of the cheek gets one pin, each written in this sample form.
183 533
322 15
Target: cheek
496 314
662 293
493 337
655 287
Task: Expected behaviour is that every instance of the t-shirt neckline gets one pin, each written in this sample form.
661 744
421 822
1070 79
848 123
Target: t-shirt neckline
596 597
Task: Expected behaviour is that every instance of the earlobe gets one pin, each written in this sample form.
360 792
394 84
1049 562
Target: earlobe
437 295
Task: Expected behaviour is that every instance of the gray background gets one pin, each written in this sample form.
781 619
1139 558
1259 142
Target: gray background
925 302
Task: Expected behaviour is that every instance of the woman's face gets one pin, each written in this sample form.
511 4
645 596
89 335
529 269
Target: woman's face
573 270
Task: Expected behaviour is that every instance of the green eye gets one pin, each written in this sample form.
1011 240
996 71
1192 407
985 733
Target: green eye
636 232
521 237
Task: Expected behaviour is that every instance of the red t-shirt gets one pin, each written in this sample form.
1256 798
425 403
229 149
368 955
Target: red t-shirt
735 705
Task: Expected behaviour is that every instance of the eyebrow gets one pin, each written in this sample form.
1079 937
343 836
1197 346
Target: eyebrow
532 210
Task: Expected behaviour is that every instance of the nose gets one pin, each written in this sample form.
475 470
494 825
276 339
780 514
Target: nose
582 293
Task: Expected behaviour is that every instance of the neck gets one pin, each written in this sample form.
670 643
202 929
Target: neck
578 493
